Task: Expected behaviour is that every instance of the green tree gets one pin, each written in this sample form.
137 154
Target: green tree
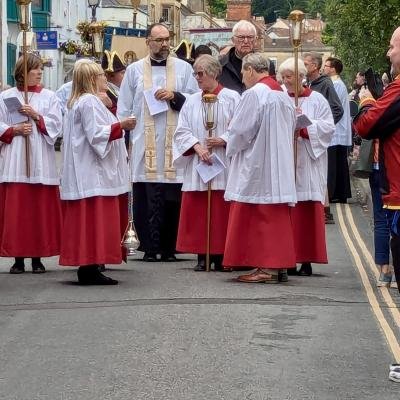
360 31
271 9
217 8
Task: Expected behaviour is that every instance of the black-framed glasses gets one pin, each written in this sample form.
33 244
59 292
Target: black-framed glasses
200 74
160 40
242 38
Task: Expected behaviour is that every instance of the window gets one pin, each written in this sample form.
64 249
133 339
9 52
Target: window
166 14
37 5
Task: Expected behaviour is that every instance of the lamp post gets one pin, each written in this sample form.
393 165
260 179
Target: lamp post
93 4
24 24
135 5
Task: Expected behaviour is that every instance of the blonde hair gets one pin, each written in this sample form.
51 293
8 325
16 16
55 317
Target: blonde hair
84 80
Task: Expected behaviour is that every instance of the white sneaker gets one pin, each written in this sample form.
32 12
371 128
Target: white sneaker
393 283
394 373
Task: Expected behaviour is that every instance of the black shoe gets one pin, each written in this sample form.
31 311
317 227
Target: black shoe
168 257
292 271
305 270
17 269
150 257
37 266
200 266
283 275
90 275
102 267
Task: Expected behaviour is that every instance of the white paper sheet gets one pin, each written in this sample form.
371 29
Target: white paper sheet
207 171
13 105
155 106
302 121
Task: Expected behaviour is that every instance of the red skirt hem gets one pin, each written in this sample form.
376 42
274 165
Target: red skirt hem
30 220
259 235
192 231
93 229
308 222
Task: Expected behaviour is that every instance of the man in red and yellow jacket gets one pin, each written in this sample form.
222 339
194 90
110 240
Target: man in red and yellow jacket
381 119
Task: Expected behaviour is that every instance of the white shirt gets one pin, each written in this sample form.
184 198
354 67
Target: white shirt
41 146
131 101
342 134
312 156
92 165
191 130
260 142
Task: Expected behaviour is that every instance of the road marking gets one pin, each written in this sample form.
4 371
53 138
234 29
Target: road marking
387 330
372 266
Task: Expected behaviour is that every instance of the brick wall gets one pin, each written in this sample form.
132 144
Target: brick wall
238 9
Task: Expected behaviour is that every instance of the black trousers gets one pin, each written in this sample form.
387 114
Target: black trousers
339 189
395 246
156 208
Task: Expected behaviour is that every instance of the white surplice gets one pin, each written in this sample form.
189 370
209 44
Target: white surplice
260 142
92 165
312 156
41 146
343 133
131 101
64 93
191 130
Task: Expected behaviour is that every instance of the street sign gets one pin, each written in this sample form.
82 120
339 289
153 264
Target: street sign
46 40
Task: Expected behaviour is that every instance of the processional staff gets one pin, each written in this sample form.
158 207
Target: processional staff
296 18
210 118
24 24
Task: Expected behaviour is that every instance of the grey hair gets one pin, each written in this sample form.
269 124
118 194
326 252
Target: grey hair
289 65
315 57
245 25
257 61
210 64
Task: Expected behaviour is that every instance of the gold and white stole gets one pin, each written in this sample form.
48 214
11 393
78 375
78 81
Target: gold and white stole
149 127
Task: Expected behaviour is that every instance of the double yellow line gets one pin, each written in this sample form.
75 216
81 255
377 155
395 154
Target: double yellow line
370 264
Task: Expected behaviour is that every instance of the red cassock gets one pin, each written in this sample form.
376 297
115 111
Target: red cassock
92 230
308 221
30 220
259 235
192 231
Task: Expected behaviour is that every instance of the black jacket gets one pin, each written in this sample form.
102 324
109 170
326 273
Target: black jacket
230 77
324 85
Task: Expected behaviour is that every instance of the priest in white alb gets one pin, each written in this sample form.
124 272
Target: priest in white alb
191 146
308 216
156 183
261 181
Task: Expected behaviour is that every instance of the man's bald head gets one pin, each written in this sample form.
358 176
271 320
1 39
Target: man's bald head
394 52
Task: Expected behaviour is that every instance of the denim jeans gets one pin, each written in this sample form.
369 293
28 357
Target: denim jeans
395 245
382 222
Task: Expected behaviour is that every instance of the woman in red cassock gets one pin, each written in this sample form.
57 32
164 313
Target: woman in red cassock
311 169
95 179
30 211
191 146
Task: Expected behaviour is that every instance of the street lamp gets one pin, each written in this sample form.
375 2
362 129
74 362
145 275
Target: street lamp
93 4
135 5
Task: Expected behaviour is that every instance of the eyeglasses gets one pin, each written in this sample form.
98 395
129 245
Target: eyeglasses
200 74
241 38
160 40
